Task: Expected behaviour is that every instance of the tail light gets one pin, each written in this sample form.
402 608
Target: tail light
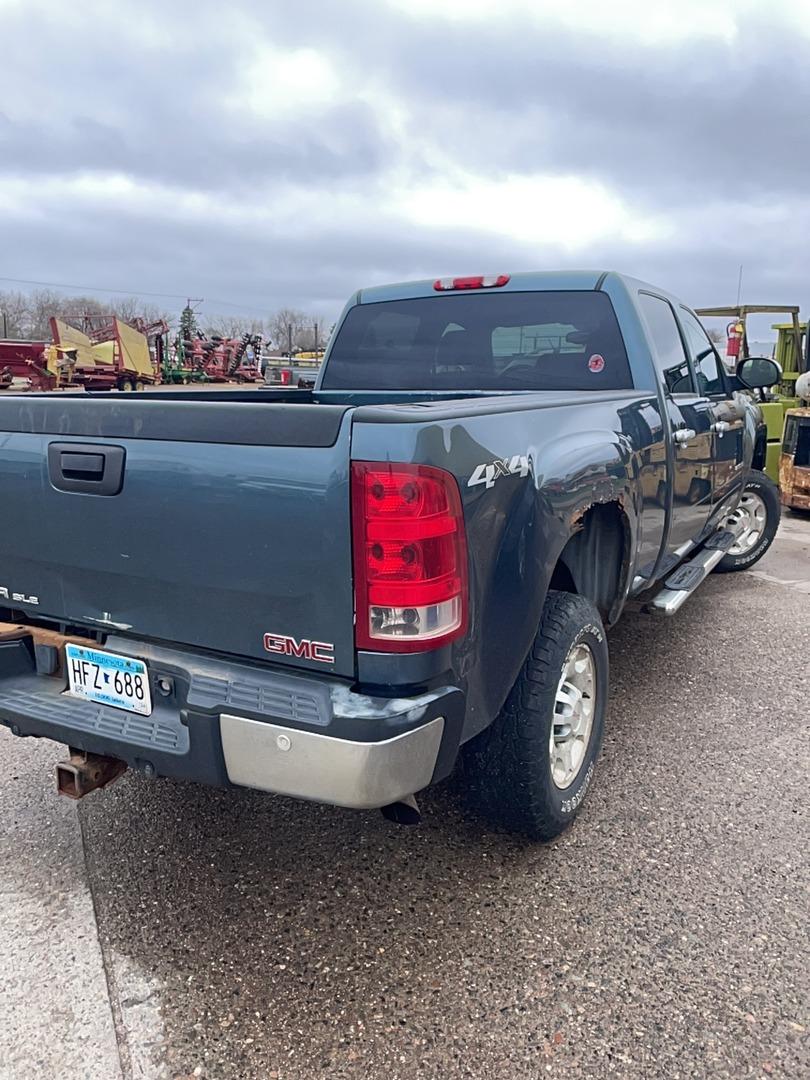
410 557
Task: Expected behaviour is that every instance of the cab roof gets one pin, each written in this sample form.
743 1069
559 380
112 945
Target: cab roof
526 281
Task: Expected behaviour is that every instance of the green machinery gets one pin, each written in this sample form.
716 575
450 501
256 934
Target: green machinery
184 363
791 353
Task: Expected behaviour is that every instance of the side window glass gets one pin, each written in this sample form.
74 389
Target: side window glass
667 348
705 361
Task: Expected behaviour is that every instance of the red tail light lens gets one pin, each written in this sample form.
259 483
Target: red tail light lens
410 557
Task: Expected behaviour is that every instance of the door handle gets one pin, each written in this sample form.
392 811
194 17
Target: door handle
720 427
684 435
86 468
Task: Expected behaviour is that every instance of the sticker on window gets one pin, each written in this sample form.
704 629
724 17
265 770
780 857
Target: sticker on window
596 363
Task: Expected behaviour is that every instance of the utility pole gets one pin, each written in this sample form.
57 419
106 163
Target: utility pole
289 340
739 286
5 325
315 326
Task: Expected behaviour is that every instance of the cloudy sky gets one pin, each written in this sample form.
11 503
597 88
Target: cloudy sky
267 153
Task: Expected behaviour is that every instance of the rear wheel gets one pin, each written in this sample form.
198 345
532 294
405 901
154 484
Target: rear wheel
531 770
757 515
139 385
125 385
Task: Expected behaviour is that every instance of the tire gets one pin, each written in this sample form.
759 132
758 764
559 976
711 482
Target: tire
140 385
125 385
509 767
761 506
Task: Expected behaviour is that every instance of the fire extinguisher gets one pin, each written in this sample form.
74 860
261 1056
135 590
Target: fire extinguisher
734 335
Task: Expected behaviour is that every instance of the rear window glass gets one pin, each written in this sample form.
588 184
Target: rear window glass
481 341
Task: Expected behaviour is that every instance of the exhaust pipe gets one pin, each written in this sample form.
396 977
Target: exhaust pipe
403 812
83 773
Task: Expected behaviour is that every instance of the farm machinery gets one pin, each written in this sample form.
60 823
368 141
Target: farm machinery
28 365
102 352
792 353
794 461
215 359
107 354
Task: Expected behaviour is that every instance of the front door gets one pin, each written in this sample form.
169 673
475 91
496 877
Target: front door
690 486
692 480
727 424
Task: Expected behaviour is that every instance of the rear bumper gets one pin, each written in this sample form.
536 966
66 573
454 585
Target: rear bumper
342 772
230 724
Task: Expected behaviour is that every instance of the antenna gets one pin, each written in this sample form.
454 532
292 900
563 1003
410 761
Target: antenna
739 285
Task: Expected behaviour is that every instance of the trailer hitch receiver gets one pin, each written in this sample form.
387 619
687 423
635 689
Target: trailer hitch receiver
83 773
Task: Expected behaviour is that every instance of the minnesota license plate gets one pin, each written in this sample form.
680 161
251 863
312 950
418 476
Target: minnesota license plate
108 679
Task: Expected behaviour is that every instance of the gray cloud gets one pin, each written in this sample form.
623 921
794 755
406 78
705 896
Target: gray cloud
687 117
708 137
216 154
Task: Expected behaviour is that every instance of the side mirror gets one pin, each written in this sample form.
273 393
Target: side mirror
758 372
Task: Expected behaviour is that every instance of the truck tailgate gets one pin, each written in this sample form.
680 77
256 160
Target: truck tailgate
231 522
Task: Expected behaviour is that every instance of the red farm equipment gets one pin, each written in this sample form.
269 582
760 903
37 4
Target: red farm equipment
28 365
219 359
108 354
198 358
235 359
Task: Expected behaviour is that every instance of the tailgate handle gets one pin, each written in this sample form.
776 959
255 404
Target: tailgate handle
82 466
86 468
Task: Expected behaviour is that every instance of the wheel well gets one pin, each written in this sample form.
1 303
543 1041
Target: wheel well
562 578
593 562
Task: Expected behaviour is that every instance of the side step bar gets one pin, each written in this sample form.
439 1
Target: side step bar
680 584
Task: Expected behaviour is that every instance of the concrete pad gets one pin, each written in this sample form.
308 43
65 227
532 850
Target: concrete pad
55 1017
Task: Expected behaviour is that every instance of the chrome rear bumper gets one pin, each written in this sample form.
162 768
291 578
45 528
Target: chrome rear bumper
318 767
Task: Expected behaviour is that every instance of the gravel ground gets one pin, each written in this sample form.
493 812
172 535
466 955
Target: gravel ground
665 935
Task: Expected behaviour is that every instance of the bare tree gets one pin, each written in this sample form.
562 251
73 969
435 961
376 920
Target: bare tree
287 327
28 314
233 326
13 314
314 334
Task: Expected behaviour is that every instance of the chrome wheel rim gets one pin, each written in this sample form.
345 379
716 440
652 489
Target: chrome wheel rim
751 517
574 705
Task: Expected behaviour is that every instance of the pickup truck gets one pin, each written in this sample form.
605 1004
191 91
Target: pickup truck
342 593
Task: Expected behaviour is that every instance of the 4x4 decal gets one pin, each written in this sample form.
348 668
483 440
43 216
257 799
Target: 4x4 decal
487 474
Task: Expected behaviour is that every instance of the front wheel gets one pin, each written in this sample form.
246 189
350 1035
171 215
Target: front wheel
531 770
757 515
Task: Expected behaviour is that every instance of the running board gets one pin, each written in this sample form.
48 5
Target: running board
680 585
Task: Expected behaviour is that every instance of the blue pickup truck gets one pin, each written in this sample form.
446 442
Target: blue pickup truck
344 593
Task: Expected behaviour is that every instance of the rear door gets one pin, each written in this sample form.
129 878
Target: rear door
727 423
690 415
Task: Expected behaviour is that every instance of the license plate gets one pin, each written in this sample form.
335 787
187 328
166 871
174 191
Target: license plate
108 679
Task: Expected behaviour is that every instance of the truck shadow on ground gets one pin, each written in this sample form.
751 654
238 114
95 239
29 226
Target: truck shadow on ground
293 938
